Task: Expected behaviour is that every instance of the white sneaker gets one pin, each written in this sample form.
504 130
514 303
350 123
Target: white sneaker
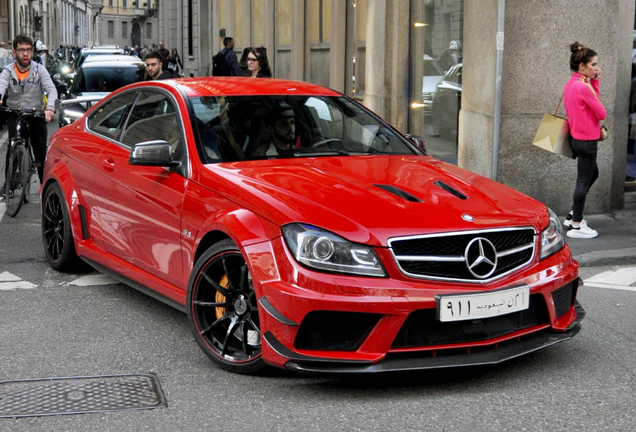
568 220
583 231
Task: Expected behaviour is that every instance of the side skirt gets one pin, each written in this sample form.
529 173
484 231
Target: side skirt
134 284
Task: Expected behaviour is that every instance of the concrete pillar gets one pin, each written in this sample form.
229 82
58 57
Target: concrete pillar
298 41
338 46
270 20
387 53
535 69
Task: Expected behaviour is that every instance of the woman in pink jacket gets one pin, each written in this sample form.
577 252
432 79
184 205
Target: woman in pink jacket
584 111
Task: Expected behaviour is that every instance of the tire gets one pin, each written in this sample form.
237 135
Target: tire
223 309
57 234
17 178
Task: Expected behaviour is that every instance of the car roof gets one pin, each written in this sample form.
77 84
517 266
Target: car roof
86 51
244 86
111 58
99 63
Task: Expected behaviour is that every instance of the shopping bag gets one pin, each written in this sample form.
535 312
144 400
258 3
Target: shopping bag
554 135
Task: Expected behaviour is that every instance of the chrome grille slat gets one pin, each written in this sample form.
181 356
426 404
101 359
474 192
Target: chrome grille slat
443 256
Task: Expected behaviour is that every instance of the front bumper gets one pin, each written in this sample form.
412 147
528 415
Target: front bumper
495 354
324 323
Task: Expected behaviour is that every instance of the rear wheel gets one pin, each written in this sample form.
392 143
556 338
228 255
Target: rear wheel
57 234
17 178
223 310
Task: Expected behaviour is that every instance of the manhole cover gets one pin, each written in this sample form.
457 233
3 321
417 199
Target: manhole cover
78 395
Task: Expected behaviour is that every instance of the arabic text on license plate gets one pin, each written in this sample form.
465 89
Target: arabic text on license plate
459 307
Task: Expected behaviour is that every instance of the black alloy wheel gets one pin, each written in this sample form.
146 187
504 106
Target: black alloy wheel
17 178
57 234
223 309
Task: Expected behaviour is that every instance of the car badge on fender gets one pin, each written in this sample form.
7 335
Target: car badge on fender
468 218
481 257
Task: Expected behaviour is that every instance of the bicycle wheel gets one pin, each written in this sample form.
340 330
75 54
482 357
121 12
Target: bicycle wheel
17 178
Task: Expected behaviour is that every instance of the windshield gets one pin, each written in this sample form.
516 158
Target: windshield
107 79
264 127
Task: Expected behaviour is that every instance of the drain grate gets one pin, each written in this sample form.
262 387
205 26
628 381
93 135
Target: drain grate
79 395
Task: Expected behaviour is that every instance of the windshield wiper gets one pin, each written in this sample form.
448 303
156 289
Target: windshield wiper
324 153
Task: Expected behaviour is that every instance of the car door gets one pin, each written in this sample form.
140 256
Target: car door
85 149
140 206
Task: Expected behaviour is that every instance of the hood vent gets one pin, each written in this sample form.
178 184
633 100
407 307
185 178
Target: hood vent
449 189
398 192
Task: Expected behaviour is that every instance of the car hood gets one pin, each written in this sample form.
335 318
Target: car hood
369 199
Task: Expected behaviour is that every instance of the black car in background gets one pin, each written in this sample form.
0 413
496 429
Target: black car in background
95 79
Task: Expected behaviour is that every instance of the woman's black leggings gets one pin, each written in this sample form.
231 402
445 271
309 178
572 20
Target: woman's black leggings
586 174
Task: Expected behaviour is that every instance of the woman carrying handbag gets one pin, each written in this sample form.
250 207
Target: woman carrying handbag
584 111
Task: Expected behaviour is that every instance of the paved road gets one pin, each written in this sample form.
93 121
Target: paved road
70 325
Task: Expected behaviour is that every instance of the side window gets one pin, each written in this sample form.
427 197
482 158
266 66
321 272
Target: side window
153 117
108 118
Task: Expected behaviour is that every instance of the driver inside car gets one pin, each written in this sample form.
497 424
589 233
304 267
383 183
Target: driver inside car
282 128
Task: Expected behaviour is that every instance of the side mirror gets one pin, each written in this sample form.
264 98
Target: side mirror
153 153
418 142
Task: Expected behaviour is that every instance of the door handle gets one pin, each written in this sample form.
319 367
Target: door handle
109 163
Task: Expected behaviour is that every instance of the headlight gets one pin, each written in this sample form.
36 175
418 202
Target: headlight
65 69
321 250
552 237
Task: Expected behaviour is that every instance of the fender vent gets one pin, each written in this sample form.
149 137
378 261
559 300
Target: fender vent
398 192
451 190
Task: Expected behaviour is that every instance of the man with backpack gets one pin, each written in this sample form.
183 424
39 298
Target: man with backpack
225 62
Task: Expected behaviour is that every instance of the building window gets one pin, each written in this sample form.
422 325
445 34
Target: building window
124 30
435 88
148 30
190 29
110 2
111 29
125 3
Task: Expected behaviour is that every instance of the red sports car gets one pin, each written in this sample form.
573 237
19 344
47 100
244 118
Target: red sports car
298 229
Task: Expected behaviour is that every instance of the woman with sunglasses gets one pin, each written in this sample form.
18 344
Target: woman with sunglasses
257 63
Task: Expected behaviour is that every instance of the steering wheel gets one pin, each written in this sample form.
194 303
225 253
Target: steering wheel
326 141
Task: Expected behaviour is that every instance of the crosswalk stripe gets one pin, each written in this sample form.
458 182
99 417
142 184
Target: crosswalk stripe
607 286
10 286
622 276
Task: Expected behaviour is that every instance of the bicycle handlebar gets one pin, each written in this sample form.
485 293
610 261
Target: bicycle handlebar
22 112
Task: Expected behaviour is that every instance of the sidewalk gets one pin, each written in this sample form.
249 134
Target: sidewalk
615 244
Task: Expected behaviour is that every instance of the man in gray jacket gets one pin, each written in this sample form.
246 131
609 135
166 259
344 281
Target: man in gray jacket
26 83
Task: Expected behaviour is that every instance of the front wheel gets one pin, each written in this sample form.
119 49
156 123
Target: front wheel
17 178
223 309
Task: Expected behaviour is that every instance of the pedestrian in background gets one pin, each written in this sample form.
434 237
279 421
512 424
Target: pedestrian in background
174 63
5 57
225 61
243 62
584 111
154 67
164 53
257 63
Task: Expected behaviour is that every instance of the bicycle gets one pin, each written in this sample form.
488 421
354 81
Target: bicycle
22 164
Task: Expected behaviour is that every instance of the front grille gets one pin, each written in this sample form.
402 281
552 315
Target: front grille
335 331
422 329
444 256
563 299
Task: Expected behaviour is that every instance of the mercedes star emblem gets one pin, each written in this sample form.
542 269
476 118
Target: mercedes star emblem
481 257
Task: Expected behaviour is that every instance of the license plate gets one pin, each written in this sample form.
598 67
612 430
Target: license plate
459 307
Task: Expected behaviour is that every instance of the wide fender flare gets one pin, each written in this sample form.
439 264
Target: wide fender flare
243 226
